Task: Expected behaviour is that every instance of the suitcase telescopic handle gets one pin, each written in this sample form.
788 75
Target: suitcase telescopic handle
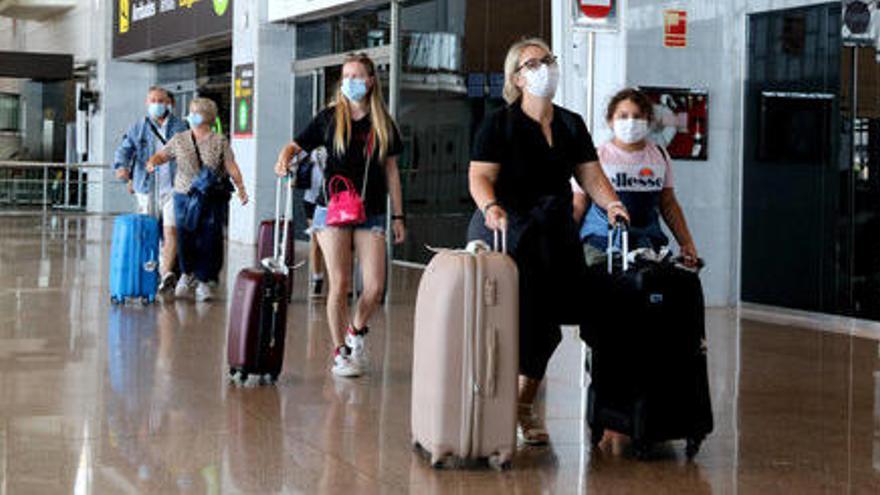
499 237
154 209
620 225
279 252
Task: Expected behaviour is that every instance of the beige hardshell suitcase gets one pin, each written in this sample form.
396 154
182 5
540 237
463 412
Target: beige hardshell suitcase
466 358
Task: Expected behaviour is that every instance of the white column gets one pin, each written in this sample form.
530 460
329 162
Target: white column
270 48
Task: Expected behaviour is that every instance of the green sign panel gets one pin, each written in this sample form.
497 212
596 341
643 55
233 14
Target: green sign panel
243 109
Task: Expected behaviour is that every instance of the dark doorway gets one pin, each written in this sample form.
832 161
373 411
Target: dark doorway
796 222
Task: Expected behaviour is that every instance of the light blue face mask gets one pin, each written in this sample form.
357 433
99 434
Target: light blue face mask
354 89
195 119
157 110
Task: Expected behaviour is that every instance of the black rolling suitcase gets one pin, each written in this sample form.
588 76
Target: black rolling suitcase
649 371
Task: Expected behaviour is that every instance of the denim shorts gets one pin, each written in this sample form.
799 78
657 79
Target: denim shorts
374 223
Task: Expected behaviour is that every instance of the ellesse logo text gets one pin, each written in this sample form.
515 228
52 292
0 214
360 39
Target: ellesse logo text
645 180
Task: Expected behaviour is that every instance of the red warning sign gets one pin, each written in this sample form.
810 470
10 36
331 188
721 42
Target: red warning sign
675 28
595 9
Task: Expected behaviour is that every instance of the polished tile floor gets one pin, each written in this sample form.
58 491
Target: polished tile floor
96 399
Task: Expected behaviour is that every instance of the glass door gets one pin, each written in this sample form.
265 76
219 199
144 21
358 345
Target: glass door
811 171
860 68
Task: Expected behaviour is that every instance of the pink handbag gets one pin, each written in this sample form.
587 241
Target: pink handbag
346 207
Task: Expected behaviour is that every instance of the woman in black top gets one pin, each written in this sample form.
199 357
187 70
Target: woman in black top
363 144
523 158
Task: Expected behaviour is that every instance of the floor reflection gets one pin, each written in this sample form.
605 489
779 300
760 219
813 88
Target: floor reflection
101 399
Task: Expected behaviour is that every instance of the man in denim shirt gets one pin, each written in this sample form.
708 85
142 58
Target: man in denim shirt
142 140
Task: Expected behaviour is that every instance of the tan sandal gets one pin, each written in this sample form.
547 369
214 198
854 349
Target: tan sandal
529 428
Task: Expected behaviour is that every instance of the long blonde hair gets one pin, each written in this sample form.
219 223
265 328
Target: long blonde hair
511 62
381 119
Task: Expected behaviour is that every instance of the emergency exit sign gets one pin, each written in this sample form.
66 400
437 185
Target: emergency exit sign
675 28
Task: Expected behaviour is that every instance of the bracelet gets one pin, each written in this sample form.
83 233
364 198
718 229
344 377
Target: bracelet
400 217
613 204
490 204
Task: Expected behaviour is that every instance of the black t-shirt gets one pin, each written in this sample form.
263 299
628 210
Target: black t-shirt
530 167
320 132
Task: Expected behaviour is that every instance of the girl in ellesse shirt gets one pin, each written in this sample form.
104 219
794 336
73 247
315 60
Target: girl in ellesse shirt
641 175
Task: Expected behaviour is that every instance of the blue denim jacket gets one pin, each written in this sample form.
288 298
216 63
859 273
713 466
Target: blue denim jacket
138 145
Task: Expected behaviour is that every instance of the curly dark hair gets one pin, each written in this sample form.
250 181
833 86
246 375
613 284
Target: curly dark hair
640 99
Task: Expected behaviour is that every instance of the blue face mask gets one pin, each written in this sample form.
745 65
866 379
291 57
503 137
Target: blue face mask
157 110
354 89
195 119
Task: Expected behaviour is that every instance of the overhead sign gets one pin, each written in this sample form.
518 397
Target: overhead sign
675 28
243 101
145 25
281 10
598 15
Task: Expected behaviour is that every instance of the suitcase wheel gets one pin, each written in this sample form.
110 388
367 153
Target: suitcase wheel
497 464
445 462
693 447
269 379
236 377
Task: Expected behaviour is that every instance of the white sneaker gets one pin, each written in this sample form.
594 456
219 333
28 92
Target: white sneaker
204 292
344 365
358 345
184 286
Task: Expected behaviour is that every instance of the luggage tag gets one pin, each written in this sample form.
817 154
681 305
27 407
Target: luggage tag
679 263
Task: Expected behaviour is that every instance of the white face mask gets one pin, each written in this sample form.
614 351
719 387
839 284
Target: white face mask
542 82
630 131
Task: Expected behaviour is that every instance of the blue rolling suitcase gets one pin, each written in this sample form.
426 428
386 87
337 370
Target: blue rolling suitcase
134 259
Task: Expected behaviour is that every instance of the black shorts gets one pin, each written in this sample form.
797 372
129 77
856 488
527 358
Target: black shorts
310 209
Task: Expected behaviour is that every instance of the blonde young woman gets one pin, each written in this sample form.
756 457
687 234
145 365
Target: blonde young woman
363 143
522 159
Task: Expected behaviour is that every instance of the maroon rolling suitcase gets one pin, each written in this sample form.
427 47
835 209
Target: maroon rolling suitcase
258 312
265 247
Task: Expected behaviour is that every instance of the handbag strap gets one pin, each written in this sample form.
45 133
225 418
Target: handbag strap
368 149
156 132
339 180
192 136
368 157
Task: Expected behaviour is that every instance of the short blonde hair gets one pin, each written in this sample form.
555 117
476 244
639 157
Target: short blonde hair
511 62
206 107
